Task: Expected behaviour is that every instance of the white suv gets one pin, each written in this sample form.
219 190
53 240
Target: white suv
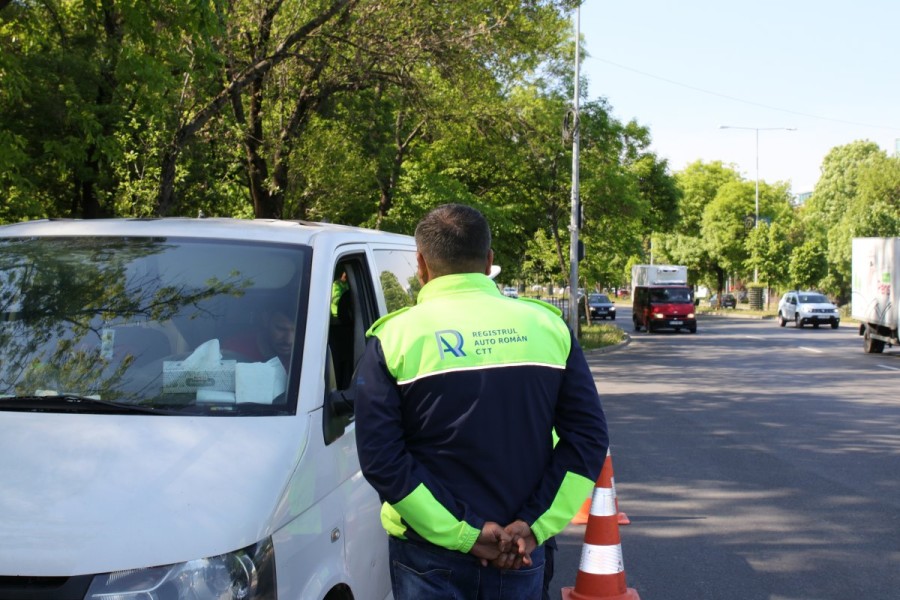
804 308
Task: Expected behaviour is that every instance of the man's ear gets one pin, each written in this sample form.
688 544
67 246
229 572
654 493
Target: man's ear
422 270
490 261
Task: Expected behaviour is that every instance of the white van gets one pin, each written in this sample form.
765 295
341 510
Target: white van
145 455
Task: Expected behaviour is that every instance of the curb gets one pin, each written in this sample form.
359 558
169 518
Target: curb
612 348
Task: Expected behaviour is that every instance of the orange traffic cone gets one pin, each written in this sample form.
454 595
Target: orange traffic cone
581 517
601 574
621 517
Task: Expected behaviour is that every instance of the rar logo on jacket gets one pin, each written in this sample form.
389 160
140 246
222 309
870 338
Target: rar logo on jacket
449 341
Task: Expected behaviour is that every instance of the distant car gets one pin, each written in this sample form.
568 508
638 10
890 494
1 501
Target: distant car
807 308
727 301
601 307
510 292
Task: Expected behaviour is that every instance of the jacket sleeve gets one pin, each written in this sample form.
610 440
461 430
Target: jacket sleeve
578 456
406 485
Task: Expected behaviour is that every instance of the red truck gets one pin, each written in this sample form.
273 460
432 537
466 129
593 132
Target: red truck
661 298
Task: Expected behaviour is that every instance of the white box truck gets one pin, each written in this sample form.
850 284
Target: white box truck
645 275
875 291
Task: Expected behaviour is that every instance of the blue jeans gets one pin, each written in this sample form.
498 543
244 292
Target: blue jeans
426 572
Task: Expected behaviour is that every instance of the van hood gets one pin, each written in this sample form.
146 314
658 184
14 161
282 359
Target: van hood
83 494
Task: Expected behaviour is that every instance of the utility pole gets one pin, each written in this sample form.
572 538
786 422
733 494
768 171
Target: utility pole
575 221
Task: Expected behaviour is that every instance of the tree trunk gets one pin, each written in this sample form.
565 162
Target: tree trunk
388 184
90 207
166 195
257 169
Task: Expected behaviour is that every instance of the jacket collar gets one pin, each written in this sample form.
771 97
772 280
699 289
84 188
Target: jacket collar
455 284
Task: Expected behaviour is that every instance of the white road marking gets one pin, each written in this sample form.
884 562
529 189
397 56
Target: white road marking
887 367
754 337
811 350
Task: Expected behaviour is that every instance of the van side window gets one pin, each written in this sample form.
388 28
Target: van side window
354 305
352 310
397 276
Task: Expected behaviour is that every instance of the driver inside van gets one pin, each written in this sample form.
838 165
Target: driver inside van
274 337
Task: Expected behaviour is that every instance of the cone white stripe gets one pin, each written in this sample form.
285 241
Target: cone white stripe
603 502
601 560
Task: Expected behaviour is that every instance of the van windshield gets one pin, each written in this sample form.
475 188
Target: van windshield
204 327
670 294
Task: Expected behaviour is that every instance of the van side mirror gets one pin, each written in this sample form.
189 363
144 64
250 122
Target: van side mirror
338 404
337 413
342 402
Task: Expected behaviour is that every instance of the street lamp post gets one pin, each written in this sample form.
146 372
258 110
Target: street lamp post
576 200
757 130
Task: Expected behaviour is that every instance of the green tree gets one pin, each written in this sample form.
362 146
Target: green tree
872 211
699 183
808 265
286 63
823 213
837 186
92 86
727 221
770 253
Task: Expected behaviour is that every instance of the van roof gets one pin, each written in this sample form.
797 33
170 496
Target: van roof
271 230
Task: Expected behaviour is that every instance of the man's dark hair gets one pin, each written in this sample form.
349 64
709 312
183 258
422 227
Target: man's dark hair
281 307
454 238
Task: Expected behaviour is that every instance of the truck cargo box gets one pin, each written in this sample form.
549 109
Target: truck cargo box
875 280
644 275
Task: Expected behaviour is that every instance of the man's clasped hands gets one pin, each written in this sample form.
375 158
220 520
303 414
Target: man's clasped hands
507 547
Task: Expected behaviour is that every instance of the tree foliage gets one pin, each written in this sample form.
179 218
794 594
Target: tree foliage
856 196
371 112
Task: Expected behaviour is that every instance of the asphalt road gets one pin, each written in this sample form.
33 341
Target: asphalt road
755 463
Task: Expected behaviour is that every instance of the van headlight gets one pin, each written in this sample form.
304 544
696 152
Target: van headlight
247 574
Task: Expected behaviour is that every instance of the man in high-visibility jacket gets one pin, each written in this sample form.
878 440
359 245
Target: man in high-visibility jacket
457 398
339 287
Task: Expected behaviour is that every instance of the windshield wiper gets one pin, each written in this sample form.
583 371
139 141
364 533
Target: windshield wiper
75 403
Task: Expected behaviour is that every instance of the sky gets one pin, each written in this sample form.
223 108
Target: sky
829 69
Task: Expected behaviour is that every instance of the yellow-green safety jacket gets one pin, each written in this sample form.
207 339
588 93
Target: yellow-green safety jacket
456 401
